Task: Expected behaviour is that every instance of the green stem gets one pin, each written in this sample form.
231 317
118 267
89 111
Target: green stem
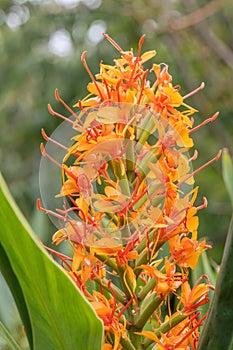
144 258
136 339
146 289
121 272
151 157
121 297
109 262
127 345
143 243
145 130
151 305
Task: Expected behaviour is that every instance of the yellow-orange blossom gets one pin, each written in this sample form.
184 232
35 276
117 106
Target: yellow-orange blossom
131 186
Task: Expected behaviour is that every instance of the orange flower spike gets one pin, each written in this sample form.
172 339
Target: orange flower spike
99 165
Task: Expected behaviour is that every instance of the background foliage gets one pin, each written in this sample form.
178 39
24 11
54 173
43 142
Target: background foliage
41 42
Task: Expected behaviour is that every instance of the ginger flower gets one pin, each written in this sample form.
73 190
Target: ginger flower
125 202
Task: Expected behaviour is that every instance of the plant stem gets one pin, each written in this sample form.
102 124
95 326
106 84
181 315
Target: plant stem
151 305
127 345
109 262
136 339
146 289
121 272
121 297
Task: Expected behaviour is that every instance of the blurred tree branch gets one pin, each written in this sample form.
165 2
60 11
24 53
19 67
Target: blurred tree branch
205 32
196 16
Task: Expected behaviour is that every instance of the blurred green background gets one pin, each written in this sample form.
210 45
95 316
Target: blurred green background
41 42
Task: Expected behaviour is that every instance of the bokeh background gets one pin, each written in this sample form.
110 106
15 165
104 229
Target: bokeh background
41 42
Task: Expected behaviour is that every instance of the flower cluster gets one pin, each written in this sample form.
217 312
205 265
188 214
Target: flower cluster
128 205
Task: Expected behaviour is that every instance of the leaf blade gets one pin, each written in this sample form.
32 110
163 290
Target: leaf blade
217 332
227 171
61 318
8 336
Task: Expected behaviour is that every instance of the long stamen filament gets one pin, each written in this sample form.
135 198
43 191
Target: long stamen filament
216 158
52 112
201 87
208 120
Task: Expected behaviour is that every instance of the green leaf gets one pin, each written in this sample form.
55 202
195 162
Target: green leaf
16 291
60 317
8 336
227 170
217 332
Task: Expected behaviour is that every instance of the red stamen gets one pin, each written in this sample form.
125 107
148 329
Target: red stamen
204 205
118 91
114 298
201 168
194 157
58 254
52 112
137 58
125 308
59 99
45 154
47 138
112 42
47 211
89 216
140 43
61 211
107 89
64 168
137 183
192 318
80 105
142 87
90 74
208 120
201 87
199 323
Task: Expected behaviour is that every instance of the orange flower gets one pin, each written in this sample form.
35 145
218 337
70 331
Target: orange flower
195 297
166 282
128 204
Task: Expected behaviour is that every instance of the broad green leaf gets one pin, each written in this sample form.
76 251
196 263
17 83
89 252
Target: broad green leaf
227 170
16 291
217 332
60 317
8 337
